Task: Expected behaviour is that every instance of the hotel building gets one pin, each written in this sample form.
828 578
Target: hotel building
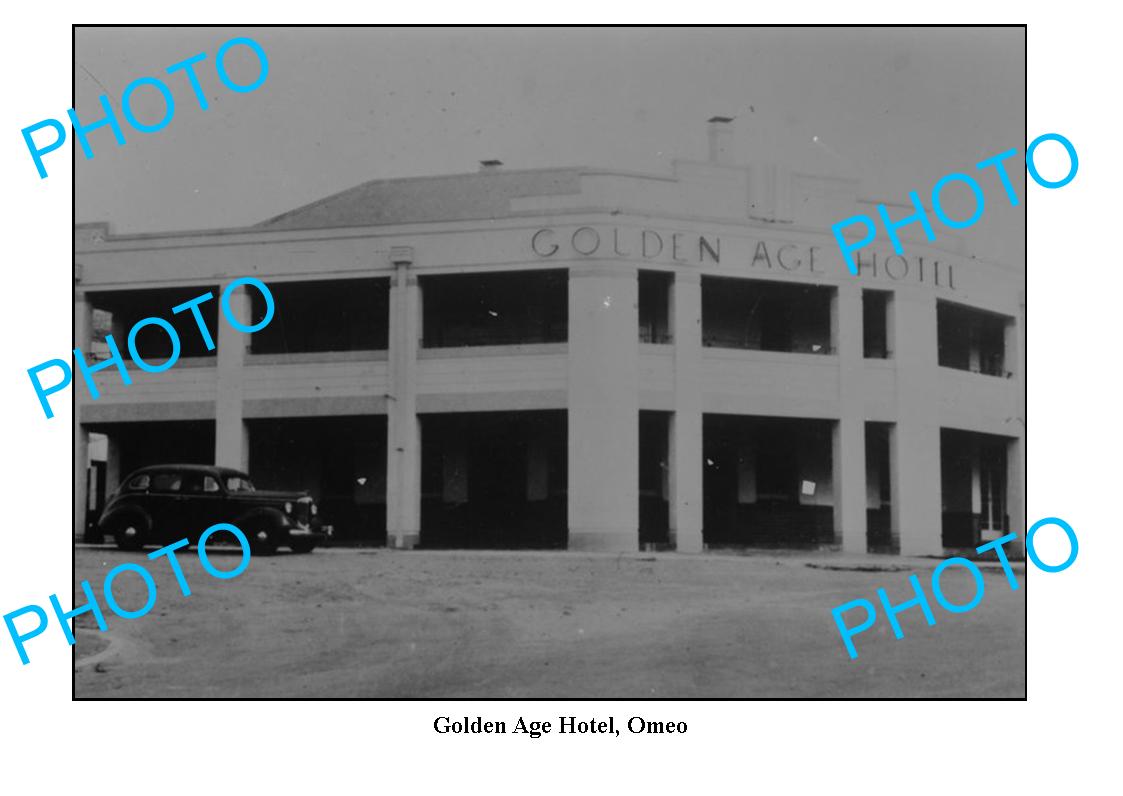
576 358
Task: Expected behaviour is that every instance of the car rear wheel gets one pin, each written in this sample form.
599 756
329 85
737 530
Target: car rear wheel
303 546
128 534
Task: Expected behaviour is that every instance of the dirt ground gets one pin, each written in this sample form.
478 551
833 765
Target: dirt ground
376 623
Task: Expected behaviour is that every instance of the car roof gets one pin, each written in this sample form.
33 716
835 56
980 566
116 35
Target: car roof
189 468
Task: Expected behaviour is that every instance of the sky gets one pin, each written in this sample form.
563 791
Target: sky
896 108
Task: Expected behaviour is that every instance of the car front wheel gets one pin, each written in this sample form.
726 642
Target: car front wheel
303 546
263 542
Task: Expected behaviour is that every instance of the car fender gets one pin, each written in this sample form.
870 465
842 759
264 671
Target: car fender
262 516
134 513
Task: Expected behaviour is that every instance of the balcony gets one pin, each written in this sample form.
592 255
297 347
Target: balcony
758 315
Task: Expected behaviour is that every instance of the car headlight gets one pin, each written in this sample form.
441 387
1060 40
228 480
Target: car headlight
314 510
288 507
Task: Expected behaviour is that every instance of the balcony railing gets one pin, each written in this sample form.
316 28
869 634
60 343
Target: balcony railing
461 338
735 341
656 336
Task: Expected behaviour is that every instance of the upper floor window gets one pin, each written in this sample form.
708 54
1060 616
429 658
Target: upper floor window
875 324
115 312
498 308
655 306
325 315
766 316
972 339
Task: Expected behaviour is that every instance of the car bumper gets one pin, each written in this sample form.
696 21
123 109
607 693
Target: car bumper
300 533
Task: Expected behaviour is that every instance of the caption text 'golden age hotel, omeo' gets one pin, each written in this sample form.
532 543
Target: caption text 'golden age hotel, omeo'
577 358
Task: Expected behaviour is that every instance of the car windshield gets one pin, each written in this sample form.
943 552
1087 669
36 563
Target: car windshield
236 483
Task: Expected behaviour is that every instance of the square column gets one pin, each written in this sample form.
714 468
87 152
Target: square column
685 449
848 464
1016 448
915 441
113 472
83 323
848 469
81 479
603 408
230 435
1015 495
403 432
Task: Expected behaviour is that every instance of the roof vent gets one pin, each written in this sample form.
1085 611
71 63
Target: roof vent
720 131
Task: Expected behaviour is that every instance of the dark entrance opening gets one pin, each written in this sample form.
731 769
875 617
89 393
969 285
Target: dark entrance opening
767 481
340 461
95 497
973 486
881 536
130 446
494 479
142 444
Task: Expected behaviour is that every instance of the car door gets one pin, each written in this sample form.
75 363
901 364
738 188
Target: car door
201 505
165 503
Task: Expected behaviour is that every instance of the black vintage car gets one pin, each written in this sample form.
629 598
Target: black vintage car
164 503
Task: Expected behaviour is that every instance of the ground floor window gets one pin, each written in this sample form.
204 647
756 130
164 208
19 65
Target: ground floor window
881 534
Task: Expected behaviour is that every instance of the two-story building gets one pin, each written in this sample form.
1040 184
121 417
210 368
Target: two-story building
579 358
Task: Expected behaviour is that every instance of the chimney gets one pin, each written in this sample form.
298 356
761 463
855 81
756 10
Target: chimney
490 165
721 139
